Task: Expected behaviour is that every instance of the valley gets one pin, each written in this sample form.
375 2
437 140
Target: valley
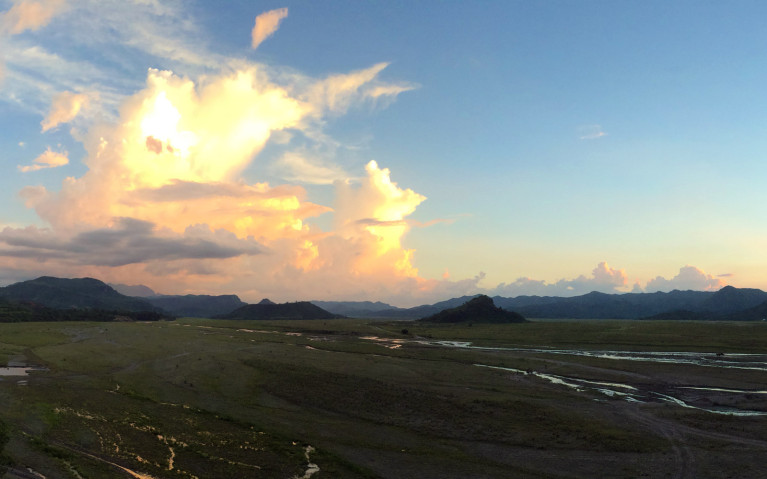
360 398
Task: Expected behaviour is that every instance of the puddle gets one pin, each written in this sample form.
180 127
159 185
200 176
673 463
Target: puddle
15 371
19 370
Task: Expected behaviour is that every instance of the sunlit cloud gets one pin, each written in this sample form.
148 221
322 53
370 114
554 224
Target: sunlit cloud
29 15
603 279
64 108
689 278
49 159
266 24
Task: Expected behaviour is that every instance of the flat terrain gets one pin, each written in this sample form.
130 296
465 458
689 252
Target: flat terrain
352 398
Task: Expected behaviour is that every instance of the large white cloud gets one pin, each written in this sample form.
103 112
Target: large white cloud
688 278
603 279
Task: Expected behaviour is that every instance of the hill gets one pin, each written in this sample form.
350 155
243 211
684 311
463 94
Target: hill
263 311
78 293
480 309
197 305
18 312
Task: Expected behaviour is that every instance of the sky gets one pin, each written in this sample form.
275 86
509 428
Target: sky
407 152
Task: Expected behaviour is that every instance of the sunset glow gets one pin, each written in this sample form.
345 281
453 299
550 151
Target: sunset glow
284 157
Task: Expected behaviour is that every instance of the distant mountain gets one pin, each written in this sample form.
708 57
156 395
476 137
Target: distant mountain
731 300
361 309
79 293
197 306
480 309
17 312
138 290
298 310
757 313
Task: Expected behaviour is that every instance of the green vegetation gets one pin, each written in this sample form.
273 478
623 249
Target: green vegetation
18 312
227 398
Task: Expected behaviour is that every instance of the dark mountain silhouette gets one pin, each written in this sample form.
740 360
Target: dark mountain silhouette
362 309
298 310
266 301
757 313
78 293
730 300
197 305
480 309
16 312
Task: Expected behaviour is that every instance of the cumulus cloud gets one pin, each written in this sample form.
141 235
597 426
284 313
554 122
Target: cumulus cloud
29 15
376 209
266 24
172 164
64 108
603 279
49 159
689 278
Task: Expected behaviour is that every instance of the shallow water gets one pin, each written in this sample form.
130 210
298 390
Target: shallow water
635 395
15 371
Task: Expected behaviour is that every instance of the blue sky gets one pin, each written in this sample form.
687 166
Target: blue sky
561 146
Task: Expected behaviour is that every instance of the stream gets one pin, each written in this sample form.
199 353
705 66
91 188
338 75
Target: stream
672 394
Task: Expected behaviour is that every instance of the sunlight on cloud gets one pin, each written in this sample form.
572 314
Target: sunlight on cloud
377 208
171 165
65 107
49 159
29 15
266 24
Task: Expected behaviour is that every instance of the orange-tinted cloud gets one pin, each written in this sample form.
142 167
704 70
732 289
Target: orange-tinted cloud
49 159
172 165
64 108
266 24
29 15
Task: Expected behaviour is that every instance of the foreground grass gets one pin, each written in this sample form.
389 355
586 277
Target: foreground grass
203 398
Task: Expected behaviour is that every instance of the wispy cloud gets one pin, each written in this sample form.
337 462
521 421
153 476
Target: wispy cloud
591 132
49 159
29 15
65 107
266 24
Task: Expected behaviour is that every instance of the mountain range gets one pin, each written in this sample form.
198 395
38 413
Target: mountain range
728 304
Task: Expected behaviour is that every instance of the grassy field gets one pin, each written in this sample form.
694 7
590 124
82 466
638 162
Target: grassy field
208 399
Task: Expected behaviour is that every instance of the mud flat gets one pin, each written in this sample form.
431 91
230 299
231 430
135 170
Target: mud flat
213 399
